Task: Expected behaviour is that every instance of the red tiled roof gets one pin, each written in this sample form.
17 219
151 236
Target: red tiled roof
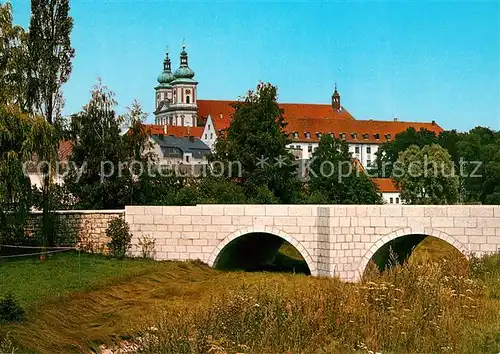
221 112
362 131
386 185
65 150
319 118
175 130
313 111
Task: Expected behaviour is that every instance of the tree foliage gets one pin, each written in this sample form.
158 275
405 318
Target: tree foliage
257 141
13 60
98 151
21 136
50 55
426 176
335 178
474 155
388 153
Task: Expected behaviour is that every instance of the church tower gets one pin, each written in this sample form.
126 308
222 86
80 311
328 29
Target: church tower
163 96
179 105
336 100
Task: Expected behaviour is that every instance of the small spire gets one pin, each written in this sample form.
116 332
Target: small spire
184 56
336 99
166 62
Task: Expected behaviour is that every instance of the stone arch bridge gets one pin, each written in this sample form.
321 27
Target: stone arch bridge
334 240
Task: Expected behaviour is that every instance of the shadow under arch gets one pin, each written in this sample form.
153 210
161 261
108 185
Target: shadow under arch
255 248
402 243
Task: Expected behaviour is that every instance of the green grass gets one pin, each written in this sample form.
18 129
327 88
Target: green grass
76 302
32 280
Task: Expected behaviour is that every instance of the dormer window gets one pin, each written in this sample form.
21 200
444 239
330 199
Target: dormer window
332 135
296 135
388 136
376 136
342 136
308 135
354 136
366 136
318 134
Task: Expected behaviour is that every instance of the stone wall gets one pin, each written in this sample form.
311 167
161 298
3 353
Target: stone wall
85 228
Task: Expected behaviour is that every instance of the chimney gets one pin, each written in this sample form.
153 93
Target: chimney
395 119
433 122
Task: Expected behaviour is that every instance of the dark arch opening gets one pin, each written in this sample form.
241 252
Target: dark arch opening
261 252
414 248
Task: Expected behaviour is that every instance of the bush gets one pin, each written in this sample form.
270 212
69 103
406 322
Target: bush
10 310
119 232
147 245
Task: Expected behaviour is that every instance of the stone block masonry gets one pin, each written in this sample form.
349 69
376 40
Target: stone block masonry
85 227
334 240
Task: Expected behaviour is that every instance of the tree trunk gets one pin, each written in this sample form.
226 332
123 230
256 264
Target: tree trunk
47 235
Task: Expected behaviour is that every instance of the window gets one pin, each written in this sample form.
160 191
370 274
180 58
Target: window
388 136
354 136
209 127
391 200
366 136
318 135
308 135
206 136
356 149
211 135
368 163
376 136
295 134
187 99
368 150
310 148
397 200
342 136
187 158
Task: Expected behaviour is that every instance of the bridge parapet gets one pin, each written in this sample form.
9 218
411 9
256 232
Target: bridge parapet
338 239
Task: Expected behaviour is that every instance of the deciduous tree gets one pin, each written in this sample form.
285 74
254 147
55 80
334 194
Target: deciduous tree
49 67
13 60
98 152
426 176
257 141
335 178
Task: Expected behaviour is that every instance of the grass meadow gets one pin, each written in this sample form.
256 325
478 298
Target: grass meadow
434 303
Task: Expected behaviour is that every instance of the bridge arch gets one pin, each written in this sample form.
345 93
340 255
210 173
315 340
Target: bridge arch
407 232
263 230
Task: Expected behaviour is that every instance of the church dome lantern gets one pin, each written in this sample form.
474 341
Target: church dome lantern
166 77
184 71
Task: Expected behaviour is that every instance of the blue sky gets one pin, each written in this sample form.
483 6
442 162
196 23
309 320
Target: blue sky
419 61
